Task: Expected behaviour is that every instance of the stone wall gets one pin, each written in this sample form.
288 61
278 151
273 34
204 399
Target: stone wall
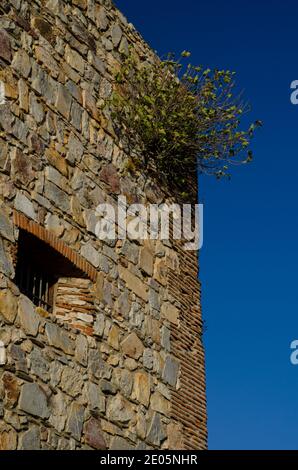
119 363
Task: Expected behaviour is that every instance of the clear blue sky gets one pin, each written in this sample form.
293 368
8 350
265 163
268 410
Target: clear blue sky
249 261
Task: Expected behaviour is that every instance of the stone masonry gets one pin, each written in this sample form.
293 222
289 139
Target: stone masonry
119 363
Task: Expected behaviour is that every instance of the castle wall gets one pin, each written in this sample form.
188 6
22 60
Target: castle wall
119 363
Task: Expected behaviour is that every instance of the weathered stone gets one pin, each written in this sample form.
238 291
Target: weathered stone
33 400
8 436
99 324
101 18
130 364
160 271
23 204
93 434
30 440
43 84
134 283
107 387
28 317
45 28
130 251
39 365
96 400
152 329
57 161
19 357
141 388
118 443
44 57
7 268
58 338
116 35
11 388
76 116
141 426
5 46
146 261
55 177
171 371
132 346
74 59
170 312
81 3
76 149
119 410
21 63
160 404
58 415
53 223
6 226
81 352
156 433
123 380
36 109
166 338
59 198
8 304
55 373
21 167
75 421
97 366
3 152
148 359
63 102
175 436
113 338
23 95
154 299
124 47
71 382
91 254
109 175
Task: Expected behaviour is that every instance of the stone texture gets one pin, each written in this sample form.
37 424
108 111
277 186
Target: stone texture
6 226
170 312
101 370
8 436
93 434
81 351
58 338
134 283
28 317
132 346
146 261
63 102
8 306
23 204
119 410
156 433
5 46
30 440
75 421
160 404
33 401
171 371
141 388
96 399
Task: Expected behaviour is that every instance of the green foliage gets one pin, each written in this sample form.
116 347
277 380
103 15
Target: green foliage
178 119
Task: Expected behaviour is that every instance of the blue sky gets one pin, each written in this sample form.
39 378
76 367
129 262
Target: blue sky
248 265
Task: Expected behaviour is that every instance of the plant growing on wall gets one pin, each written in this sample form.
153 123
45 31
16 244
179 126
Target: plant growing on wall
177 119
